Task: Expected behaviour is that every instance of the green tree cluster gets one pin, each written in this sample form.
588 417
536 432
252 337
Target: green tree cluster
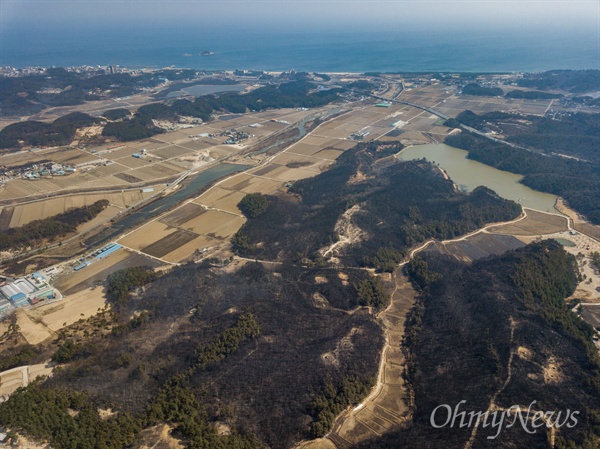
420 274
335 398
480 91
385 259
123 281
134 129
66 352
67 419
18 358
33 233
253 204
178 404
595 260
240 243
228 341
116 114
371 292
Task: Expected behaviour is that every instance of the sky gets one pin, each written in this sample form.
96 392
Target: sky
292 14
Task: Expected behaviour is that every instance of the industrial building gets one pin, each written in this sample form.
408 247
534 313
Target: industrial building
4 305
31 289
99 255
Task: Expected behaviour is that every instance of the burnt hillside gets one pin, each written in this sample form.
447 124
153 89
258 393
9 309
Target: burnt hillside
394 205
501 318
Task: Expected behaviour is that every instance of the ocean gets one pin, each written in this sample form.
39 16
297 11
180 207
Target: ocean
390 50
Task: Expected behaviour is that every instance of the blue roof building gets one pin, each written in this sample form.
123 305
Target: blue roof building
20 299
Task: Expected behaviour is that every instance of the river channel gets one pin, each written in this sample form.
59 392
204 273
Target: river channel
468 174
188 190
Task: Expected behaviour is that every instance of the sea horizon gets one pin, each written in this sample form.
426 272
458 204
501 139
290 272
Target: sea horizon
388 50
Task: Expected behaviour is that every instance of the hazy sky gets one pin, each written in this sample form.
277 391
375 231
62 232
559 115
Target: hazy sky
295 13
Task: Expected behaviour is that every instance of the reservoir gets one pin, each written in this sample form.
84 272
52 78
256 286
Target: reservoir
468 174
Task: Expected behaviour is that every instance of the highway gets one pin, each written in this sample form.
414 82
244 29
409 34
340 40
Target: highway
465 127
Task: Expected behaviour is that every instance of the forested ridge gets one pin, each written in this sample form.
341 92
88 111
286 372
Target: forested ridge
573 135
532 94
26 95
60 132
574 81
481 91
459 340
400 204
126 127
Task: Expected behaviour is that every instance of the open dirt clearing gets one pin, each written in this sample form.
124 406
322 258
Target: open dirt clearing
22 376
158 437
32 330
70 309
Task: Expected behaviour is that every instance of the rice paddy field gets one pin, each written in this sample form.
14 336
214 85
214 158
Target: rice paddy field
16 216
536 223
210 220
113 166
479 246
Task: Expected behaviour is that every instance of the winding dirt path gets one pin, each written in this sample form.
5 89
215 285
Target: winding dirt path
492 406
390 402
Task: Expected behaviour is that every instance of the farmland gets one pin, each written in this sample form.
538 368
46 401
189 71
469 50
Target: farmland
208 221
201 226
340 326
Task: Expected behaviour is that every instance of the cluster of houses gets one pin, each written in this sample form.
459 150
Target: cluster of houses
234 136
36 171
